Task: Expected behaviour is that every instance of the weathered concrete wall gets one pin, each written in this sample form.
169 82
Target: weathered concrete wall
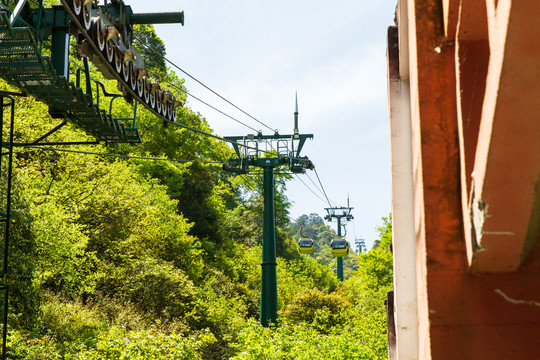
404 240
474 106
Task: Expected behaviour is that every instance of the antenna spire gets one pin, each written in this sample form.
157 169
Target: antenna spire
296 115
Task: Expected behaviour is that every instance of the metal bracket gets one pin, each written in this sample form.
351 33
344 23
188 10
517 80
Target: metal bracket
56 128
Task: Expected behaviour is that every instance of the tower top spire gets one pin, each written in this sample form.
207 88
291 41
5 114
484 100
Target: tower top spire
296 115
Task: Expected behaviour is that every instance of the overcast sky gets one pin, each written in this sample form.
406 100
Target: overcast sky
257 54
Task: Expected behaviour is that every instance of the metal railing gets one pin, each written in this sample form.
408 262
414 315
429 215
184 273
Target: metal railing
99 85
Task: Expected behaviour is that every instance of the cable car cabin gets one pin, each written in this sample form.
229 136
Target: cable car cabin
340 247
305 245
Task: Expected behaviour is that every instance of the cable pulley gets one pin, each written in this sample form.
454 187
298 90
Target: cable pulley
104 34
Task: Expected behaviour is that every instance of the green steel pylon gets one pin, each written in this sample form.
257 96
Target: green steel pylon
286 153
339 213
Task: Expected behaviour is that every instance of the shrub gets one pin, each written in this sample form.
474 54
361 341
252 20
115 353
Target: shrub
22 346
70 321
154 287
315 307
142 345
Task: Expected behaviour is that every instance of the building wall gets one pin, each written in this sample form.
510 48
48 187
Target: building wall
404 249
473 117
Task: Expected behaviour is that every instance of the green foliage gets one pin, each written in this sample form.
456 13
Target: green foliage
141 345
68 321
303 342
142 259
385 232
150 46
376 269
64 263
24 294
324 311
295 276
21 345
114 343
376 266
154 287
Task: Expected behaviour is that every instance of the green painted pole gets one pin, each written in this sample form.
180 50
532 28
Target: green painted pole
60 42
157 18
4 265
269 303
339 259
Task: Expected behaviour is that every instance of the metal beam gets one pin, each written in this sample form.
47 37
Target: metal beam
60 41
56 128
17 12
157 18
270 137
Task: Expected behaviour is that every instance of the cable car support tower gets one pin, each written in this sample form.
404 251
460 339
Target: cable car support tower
250 154
341 214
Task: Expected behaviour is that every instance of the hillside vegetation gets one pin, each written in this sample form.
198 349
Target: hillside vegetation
122 258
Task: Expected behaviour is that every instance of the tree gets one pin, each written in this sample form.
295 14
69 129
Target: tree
385 233
151 47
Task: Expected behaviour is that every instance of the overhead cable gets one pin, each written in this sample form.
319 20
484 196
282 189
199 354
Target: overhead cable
313 182
322 187
202 84
119 155
221 112
313 192
162 79
214 136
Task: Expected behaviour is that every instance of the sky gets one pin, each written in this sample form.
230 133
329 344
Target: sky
258 54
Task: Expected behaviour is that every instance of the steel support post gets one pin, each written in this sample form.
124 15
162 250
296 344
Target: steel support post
60 42
5 216
3 282
240 165
339 259
269 301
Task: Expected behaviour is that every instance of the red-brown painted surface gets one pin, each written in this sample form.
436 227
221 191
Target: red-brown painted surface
491 311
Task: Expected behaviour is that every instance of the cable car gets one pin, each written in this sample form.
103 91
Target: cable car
340 247
356 267
305 245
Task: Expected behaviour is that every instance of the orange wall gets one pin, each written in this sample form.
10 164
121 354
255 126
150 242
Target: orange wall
461 315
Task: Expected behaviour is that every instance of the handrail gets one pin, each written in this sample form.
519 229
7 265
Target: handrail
37 30
99 85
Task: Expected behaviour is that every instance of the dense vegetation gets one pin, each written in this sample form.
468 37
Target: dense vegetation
116 258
